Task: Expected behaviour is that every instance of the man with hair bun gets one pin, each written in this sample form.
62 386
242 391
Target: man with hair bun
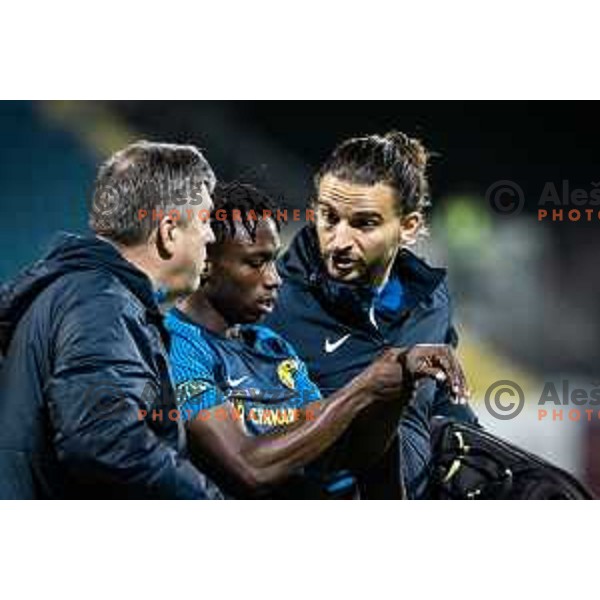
351 287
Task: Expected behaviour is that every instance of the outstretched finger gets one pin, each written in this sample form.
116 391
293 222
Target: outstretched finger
456 377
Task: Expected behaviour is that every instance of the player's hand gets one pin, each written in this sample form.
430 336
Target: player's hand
385 379
397 371
439 362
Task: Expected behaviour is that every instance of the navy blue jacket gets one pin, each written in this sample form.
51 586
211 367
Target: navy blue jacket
329 325
84 350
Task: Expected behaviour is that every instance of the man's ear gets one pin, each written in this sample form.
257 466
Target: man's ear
166 235
410 225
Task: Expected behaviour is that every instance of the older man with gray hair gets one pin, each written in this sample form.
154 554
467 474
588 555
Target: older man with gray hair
85 391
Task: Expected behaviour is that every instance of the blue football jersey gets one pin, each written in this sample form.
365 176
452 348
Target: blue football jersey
256 372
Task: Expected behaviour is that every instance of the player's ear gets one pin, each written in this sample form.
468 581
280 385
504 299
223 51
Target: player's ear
410 225
167 235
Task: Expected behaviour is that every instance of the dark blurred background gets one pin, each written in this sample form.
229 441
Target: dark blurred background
525 291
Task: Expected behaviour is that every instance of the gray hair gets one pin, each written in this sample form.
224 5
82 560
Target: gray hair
146 178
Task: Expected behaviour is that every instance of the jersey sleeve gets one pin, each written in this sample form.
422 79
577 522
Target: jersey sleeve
193 365
309 391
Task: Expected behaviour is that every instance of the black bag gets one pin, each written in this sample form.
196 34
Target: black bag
472 464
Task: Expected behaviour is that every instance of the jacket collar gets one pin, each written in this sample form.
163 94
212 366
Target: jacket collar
302 263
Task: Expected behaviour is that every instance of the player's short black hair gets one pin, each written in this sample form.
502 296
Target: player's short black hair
394 159
243 199
146 176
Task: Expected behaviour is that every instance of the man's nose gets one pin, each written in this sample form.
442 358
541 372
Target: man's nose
272 279
342 237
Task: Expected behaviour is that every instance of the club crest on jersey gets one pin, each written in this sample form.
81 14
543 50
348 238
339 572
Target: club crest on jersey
189 389
286 370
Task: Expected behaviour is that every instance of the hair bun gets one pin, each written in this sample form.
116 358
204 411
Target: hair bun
408 147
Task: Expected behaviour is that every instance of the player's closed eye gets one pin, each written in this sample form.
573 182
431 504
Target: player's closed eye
257 263
261 261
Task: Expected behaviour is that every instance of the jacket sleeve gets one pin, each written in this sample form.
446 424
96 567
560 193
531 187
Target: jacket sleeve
101 380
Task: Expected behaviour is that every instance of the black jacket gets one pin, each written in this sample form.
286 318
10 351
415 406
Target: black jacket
84 350
315 313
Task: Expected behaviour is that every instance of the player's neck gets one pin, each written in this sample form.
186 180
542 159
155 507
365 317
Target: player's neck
200 310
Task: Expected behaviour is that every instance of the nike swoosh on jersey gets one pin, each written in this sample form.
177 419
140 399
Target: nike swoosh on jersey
235 382
333 346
